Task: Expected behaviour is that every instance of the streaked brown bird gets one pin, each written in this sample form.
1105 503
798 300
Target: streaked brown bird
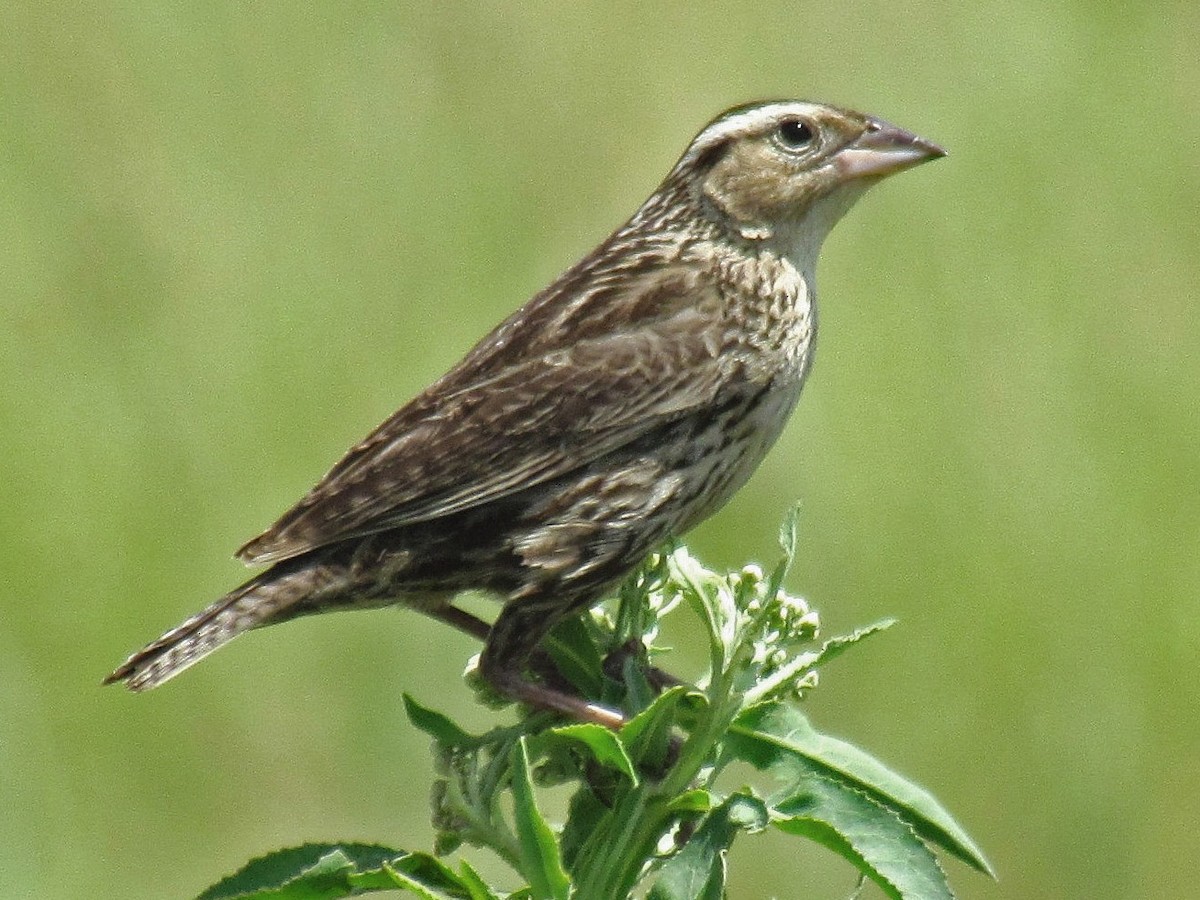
618 408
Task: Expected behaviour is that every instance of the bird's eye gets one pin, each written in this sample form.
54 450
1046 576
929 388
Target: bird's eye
794 134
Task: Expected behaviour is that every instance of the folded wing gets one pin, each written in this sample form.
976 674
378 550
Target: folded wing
515 426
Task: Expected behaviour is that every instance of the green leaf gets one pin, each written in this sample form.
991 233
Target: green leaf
437 726
709 602
640 602
767 689
541 863
697 872
413 885
476 887
606 747
696 800
871 836
428 877
835 647
788 532
647 736
779 737
309 872
639 693
585 813
576 656
787 543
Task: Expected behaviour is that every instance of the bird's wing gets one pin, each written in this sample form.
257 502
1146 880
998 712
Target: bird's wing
518 426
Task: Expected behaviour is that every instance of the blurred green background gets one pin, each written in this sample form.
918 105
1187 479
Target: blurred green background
234 236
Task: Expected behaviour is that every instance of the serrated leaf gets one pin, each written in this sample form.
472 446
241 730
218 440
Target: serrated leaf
412 885
647 736
541 863
576 656
428 877
788 531
308 872
784 679
436 725
585 812
779 737
835 647
696 800
787 543
475 885
709 601
639 693
697 872
871 836
606 747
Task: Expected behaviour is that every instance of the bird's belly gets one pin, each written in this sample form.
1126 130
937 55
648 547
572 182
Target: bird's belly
592 527
739 439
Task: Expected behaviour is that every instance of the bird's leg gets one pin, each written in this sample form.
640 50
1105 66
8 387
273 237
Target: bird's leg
462 620
512 644
541 663
471 624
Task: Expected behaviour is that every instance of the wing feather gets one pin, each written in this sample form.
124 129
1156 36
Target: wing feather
502 429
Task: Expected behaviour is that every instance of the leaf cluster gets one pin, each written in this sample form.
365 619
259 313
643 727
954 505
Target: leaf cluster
652 811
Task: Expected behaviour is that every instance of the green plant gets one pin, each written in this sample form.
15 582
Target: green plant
651 812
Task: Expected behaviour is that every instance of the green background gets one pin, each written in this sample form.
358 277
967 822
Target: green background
233 237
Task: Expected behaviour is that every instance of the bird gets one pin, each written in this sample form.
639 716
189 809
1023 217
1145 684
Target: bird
615 410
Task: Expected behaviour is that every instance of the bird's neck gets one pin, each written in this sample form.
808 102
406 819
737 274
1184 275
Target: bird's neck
799 240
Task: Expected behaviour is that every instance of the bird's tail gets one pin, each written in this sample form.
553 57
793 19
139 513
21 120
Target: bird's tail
270 597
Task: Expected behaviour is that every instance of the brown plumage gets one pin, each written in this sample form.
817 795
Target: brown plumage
619 407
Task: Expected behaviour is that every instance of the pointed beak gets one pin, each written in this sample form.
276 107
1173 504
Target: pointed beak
882 150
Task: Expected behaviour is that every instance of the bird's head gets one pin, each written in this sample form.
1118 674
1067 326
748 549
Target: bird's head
784 172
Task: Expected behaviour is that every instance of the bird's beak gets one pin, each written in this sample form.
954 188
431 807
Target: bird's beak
882 150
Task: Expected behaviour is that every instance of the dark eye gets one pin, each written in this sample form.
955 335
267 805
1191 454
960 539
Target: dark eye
794 134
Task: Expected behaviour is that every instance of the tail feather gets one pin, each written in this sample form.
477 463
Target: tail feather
262 600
